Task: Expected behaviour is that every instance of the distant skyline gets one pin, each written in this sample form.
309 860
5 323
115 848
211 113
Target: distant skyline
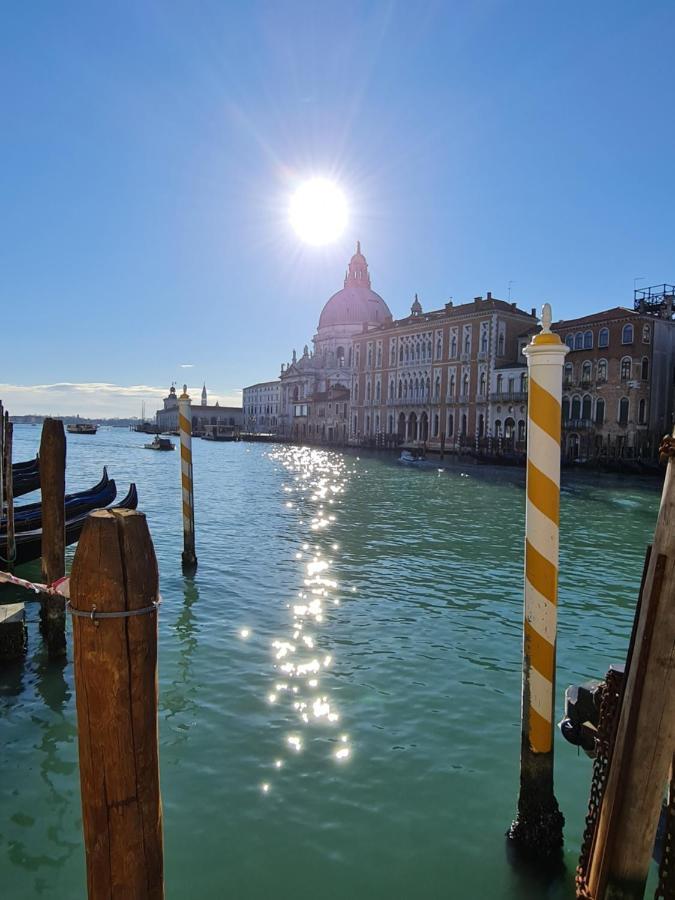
149 151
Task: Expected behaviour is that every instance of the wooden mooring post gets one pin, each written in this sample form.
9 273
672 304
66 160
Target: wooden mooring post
645 737
114 599
189 558
53 488
10 544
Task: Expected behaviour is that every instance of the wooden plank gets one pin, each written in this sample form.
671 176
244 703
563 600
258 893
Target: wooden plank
645 738
115 663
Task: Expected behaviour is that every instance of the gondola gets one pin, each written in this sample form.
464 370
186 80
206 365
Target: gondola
29 543
26 466
29 516
26 479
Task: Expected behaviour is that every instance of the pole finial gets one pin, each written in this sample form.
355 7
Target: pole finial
546 318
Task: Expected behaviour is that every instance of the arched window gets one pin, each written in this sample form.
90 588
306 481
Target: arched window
625 368
569 373
451 424
509 428
500 345
390 396
405 389
295 393
400 389
340 354
603 337
463 424
378 390
429 349
627 334
481 425
576 408
417 388
644 373
392 355
483 379
451 385
368 390
522 433
588 340
465 384
407 353
379 357
436 424
623 411
642 411
400 355
586 407
602 370
437 388
599 412
390 427
500 384
565 409
370 357
484 339
569 340
578 341
498 428
586 372
523 383
453 346
417 352
439 348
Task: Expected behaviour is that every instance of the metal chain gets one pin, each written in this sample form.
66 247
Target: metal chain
666 886
604 744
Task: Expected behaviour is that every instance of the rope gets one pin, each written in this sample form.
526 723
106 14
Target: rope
61 586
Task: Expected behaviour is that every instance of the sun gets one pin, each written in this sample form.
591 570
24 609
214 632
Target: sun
318 211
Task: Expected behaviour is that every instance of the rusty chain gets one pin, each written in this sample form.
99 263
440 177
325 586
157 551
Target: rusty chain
609 715
666 886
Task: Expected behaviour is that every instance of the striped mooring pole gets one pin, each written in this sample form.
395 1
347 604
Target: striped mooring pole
185 428
538 828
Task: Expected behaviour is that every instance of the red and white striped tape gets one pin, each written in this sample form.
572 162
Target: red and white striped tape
61 586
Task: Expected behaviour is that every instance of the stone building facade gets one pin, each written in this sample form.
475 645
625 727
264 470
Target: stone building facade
206 419
260 403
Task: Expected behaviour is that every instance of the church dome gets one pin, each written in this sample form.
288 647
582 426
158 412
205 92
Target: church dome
356 303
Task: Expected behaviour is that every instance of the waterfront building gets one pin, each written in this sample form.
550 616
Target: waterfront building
618 395
328 415
434 377
206 419
260 403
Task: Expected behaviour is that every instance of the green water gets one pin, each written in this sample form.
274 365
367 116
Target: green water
391 600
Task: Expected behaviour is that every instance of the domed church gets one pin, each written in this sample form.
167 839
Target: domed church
348 313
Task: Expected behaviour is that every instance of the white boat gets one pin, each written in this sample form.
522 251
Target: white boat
81 428
413 457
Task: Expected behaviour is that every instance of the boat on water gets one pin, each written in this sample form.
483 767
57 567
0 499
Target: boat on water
82 428
414 456
25 477
160 443
29 516
29 543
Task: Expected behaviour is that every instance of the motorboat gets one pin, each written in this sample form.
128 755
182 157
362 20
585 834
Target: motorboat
160 443
82 428
412 456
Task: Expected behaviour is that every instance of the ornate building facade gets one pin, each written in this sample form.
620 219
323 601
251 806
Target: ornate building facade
206 419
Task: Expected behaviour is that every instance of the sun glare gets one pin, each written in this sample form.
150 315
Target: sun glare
318 211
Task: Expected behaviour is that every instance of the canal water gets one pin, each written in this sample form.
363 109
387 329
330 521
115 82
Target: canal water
339 683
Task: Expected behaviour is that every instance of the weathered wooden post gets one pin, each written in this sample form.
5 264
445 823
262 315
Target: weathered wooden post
538 826
2 460
645 737
185 427
53 488
10 544
113 600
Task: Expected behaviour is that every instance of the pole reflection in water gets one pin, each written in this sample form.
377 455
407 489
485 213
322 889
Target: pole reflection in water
179 699
301 657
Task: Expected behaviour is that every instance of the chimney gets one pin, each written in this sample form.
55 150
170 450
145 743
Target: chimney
489 295
513 306
534 312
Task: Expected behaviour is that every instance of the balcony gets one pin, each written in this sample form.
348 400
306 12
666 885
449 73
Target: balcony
579 424
509 396
465 357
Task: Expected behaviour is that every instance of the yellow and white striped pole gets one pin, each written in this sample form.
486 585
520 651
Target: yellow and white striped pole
538 826
185 428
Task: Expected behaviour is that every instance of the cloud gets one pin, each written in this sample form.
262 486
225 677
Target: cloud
94 398
187 365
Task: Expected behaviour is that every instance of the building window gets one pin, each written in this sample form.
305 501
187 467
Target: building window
453 346
481 388
436 424
379 357
500 384
467 338
522 433
625 368
569 373
603 337
569 340
369 360
576 408
354 425
451 385
391 424
578 341
391 390
437 388
586 407
602 370
400 389
588 340
400 355
642 410
586 372
465 384
340 354
523 383
484 337
623 411
500 344
627 334
463 433
378 390
565 409
646 334
392 355
645 369
439 348
451 424
498 428
481 425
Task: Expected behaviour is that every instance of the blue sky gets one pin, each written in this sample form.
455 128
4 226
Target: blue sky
148 150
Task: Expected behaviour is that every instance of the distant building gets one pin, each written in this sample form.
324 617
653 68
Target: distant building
261 407
205 419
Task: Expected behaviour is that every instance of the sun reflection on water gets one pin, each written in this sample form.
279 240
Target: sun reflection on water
316 481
